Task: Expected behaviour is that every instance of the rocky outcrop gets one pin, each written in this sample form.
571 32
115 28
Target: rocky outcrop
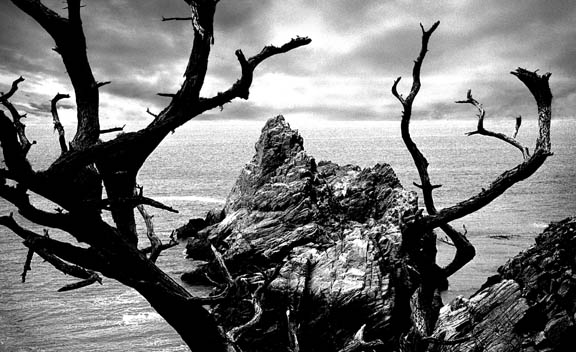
324 239
529 306
318 248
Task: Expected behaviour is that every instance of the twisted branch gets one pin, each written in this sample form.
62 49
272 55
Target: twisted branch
540 89
18 196
464 249
57 253
56 120
481 130
241 88
20 128
13 89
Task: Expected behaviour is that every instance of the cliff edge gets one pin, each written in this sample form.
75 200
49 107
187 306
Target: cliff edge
529 306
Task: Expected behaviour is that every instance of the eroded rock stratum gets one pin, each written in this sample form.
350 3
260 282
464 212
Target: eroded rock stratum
334 233
326 240
529 306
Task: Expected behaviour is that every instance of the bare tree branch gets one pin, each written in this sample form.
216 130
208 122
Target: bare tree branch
167 95
151 113
517 127
56 120
71 45
20 127
133 202
16 117
102 84
14 153
13 89
540 89
27 264
464 249
155 242
18 196
481 130
55 251
176 19
240 89
89 281
113 129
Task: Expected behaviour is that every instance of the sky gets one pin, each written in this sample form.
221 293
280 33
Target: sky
358 48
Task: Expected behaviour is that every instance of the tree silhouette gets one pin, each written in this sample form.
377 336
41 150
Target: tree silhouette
88 166
76 179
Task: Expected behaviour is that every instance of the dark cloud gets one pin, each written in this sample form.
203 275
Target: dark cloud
358 47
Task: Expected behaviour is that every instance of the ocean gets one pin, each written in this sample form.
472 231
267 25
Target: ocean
193 171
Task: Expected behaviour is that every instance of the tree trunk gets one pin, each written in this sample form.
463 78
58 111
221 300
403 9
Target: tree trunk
191 321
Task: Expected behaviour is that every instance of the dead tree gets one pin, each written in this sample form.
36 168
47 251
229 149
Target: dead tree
87 165
423 311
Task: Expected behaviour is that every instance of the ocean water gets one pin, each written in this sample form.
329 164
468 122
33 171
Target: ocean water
194 169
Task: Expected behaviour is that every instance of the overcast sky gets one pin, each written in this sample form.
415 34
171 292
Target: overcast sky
358 48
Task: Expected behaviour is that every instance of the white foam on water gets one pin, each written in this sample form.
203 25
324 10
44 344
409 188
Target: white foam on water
540 225
139 318
190 199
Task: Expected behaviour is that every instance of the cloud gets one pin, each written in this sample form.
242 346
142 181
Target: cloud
358 48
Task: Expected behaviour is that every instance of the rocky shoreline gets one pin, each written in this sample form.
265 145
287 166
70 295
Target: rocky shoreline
323 244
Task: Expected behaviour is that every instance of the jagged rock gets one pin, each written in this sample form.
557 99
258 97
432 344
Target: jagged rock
332 231
529 306
196 224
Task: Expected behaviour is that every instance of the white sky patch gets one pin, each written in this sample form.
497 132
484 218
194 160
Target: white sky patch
47 86
121 109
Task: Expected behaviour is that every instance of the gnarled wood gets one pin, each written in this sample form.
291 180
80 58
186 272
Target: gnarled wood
75 181
56 120
464 249
481 130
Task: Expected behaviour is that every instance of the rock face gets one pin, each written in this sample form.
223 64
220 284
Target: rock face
326 240
529 306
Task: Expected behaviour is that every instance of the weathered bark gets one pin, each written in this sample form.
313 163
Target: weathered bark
424 305
75 181
56 120
345 250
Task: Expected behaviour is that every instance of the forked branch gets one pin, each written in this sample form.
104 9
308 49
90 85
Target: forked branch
86 258
13 89
156 246
17 196
53 251
540 89
241 88
481 130
56 120
20 128
70 41
464 249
